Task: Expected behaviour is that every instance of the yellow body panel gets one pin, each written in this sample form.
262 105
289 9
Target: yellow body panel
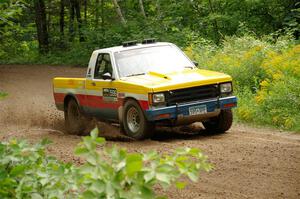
148 83
74 83
121 86
177 80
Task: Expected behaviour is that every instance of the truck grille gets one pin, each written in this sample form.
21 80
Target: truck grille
192 94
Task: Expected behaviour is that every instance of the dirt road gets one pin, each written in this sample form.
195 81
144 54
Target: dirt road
248 162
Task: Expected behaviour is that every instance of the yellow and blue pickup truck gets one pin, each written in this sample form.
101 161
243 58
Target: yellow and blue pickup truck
140 85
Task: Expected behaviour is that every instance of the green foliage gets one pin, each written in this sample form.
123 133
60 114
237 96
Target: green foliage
180 22
10 9
10 13
265 74
26 172
115 173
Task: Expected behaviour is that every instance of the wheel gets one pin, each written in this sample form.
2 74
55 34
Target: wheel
135 123
122 129
74 120
221 123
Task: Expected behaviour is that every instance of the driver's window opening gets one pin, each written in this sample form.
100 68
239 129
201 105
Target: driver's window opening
103 65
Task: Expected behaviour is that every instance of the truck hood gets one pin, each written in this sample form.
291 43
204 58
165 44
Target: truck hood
176 80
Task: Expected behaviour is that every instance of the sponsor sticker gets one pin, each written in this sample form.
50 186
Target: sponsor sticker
110 94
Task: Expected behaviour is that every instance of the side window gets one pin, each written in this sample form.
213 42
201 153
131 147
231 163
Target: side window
89 73
103 65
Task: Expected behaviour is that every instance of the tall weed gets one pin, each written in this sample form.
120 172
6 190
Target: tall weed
266 75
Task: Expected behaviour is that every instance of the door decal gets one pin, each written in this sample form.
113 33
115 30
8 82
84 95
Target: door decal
110 95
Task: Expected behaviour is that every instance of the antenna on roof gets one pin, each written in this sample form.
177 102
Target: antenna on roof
129 43
149 41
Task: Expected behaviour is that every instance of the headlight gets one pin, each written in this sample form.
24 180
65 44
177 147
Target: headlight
158 98
226 88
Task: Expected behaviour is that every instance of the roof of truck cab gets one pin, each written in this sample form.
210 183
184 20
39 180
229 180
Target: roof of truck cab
138 45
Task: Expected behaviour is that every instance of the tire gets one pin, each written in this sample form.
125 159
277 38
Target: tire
75 122
122 130
219 124
135 123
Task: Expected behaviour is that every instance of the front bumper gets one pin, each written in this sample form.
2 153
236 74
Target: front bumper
183 109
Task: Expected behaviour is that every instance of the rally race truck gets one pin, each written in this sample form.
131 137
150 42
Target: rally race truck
142 85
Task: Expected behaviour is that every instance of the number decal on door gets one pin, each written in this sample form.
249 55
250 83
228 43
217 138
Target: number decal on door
110 94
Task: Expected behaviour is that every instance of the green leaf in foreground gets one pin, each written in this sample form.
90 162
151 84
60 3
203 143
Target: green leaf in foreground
133 164
26 172
180 185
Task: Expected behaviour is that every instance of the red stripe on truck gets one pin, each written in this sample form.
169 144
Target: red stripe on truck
97 101
59 97
144 104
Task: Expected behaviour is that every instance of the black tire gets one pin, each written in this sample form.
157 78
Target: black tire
74 120
135 123
219 124
122 130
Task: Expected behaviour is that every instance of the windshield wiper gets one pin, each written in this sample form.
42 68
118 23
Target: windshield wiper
136 74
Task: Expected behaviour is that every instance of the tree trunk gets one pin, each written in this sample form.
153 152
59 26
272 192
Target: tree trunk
62 18
48 14
71 20
119 12
75 9
142 8
41 25
78 17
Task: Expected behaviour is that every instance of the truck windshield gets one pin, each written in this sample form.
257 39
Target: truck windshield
161 59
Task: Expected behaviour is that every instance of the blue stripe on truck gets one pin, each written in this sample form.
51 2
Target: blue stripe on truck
183 109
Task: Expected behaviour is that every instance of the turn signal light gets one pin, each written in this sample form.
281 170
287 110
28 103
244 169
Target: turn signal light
163 116
229 105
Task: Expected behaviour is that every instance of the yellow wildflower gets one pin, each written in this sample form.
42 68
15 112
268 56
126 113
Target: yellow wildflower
258 48
288 123
264 83
277 76
189 52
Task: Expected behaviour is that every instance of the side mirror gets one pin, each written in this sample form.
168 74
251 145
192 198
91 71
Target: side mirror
195 63
106 76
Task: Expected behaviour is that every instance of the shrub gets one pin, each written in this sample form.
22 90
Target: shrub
279 96
26 172
266 75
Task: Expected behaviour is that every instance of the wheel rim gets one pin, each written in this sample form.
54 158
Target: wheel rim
133 119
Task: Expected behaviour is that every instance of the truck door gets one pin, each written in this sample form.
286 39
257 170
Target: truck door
102 93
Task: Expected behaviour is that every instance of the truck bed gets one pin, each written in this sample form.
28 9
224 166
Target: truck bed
63 86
